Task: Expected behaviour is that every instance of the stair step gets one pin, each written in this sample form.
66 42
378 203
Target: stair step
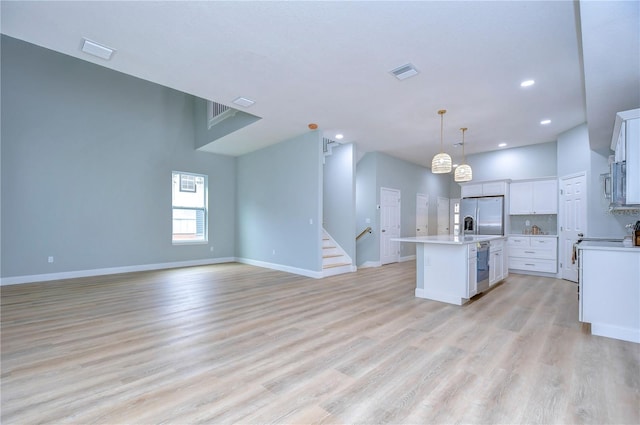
332 255
328 247
330 266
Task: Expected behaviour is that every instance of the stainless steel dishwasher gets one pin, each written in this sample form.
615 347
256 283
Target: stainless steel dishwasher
483 266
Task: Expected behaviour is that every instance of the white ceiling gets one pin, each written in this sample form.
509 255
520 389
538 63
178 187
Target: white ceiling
328 63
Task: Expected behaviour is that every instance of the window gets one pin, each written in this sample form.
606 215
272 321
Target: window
189 202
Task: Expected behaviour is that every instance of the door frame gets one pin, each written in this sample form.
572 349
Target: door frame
563 255
382 240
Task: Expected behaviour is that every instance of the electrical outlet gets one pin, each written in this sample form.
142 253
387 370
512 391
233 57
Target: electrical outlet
50 259
274 252
211 248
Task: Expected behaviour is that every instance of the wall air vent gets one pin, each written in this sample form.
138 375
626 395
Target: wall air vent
217 112
405 71
326 145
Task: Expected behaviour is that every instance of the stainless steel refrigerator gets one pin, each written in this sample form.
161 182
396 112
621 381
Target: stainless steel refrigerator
482 216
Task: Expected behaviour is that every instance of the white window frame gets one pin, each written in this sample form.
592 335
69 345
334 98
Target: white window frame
178 186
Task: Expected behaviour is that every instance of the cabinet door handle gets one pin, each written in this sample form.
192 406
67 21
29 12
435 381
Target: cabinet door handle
528 264
529 252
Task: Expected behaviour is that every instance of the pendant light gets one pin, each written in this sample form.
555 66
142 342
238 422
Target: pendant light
463 171
441 163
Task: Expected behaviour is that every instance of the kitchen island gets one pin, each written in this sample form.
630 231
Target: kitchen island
609 280
447 266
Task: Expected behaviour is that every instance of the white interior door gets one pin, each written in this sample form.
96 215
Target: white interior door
443 216
573 221
389 225
422 214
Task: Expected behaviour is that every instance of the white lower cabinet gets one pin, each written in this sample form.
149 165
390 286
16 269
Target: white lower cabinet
609 291
533 253
497 264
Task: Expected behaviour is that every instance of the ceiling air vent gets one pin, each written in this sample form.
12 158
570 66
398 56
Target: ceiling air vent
217 112
405 71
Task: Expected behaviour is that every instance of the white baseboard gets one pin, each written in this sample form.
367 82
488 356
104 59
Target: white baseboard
280 267
407 258
15 280
617 332
367 264
333 271
438 296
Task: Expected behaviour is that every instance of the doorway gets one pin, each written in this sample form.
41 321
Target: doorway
389 225
573 221
443 216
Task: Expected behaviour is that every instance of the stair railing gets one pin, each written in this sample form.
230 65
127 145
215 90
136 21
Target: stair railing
367 230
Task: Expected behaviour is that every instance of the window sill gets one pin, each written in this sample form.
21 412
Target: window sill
189 242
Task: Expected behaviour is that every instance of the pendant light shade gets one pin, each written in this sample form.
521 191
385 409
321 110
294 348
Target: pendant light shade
441 163
463 171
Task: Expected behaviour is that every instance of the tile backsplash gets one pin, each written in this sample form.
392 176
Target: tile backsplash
522 224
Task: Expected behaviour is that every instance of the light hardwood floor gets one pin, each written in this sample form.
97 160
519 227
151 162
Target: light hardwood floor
234 343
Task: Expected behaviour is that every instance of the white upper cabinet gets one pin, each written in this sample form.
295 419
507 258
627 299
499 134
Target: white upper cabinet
632 153
626 144
534 197
483 189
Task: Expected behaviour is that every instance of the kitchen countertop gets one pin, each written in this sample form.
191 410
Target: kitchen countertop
448 239
513 235
607 246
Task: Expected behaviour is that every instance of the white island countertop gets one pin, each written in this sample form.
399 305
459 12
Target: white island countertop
448 239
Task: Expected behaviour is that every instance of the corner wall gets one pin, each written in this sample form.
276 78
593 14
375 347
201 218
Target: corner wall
376 170
279 201
87 156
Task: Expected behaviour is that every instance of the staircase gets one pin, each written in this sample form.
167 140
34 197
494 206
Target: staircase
334 259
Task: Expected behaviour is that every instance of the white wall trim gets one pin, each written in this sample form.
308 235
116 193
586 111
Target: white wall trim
368 264
334 271
407 258
15 280
617 332
282 268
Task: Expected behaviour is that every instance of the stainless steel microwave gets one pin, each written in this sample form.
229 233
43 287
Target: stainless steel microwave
618 189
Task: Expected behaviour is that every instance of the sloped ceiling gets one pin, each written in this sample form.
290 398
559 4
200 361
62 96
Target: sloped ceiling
328 63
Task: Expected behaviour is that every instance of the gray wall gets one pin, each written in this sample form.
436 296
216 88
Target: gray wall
410 179
338 200
279 201
368 246
87 155
525 162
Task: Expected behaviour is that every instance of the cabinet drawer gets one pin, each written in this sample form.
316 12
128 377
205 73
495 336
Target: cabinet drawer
533 264
533 253
537 242
518 241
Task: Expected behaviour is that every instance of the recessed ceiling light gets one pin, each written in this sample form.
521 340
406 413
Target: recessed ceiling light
502 145
95 49
527 83
243 101
545 122
339 136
